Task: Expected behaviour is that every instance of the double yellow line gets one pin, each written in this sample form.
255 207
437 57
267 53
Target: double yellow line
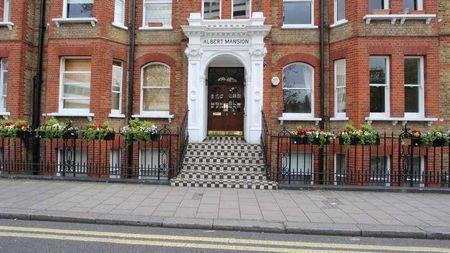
207 243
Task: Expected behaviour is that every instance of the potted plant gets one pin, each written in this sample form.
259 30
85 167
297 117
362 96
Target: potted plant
140 130
56 129
9 128
22 129
365 135
97 132
312 135
346 137
416 138
439 137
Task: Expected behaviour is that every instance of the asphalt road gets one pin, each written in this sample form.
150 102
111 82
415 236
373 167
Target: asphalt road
39 237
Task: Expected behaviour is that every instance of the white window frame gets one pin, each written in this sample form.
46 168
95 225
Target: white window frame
387 99
386 4
120 23
311 25
65 11
419 5
341 176
249 9
300 155
421 168
421 85
156 159
220 10
61 86
6 11
299 116
156 114
336 20
118 111
3 70
336 113
164 26
387 171
115 163
84 154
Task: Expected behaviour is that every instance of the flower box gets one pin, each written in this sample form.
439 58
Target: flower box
23 134
70 134
299 140
154 137
415 142
110 136
439 143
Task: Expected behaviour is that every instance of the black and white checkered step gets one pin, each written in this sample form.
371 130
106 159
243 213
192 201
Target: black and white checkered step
224 147
223 167
222 160
222 175
224 153
238 184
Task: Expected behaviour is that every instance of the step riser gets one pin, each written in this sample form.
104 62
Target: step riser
222 177
237 154
193 167
221 185
213 147
222 161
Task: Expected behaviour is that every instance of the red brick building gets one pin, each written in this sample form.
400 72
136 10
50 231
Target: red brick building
381 62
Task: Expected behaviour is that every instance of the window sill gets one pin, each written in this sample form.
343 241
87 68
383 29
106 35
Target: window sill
7 24
299 27
70 114
402 17
154 115
116 115
339 119
157 28
339 23
404 121
5 115
119 26
59 21
298 118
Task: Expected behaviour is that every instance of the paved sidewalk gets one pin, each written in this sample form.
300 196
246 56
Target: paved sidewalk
415 215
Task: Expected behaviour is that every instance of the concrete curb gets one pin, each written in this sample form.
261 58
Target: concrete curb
442 233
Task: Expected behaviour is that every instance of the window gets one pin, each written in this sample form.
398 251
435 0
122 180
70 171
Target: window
380 171
75 84
340 88
6 10
378 4
211 9
415 170
152 162
340 169
298 12
117 79
158 13
155 88
241 8
3 83
114 163
78 8
414 87
339 11
412 5
72 162
379 86
298 81
298 167
119 12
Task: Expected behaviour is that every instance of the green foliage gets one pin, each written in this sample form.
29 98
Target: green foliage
95 131
138 130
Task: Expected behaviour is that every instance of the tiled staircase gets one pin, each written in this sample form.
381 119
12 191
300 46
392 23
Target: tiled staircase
223 162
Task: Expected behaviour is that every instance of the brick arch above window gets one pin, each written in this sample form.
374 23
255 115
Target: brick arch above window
157 58
298 58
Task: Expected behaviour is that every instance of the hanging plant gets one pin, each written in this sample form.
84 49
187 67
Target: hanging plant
138 130
312 136
56 129
97 132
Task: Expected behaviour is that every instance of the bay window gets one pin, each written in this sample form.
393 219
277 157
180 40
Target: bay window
412 5
340 88
298 95
378 4
379 86
339 11
6 10
414 87
211 9
298 13
157 13
3 83
241 8
155 89
75 84
119 12
117 80
78 8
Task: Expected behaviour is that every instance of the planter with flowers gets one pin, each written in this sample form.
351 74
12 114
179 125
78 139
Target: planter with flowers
365 135
138 130
312 136
56 129
97 132
436 138
20 129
